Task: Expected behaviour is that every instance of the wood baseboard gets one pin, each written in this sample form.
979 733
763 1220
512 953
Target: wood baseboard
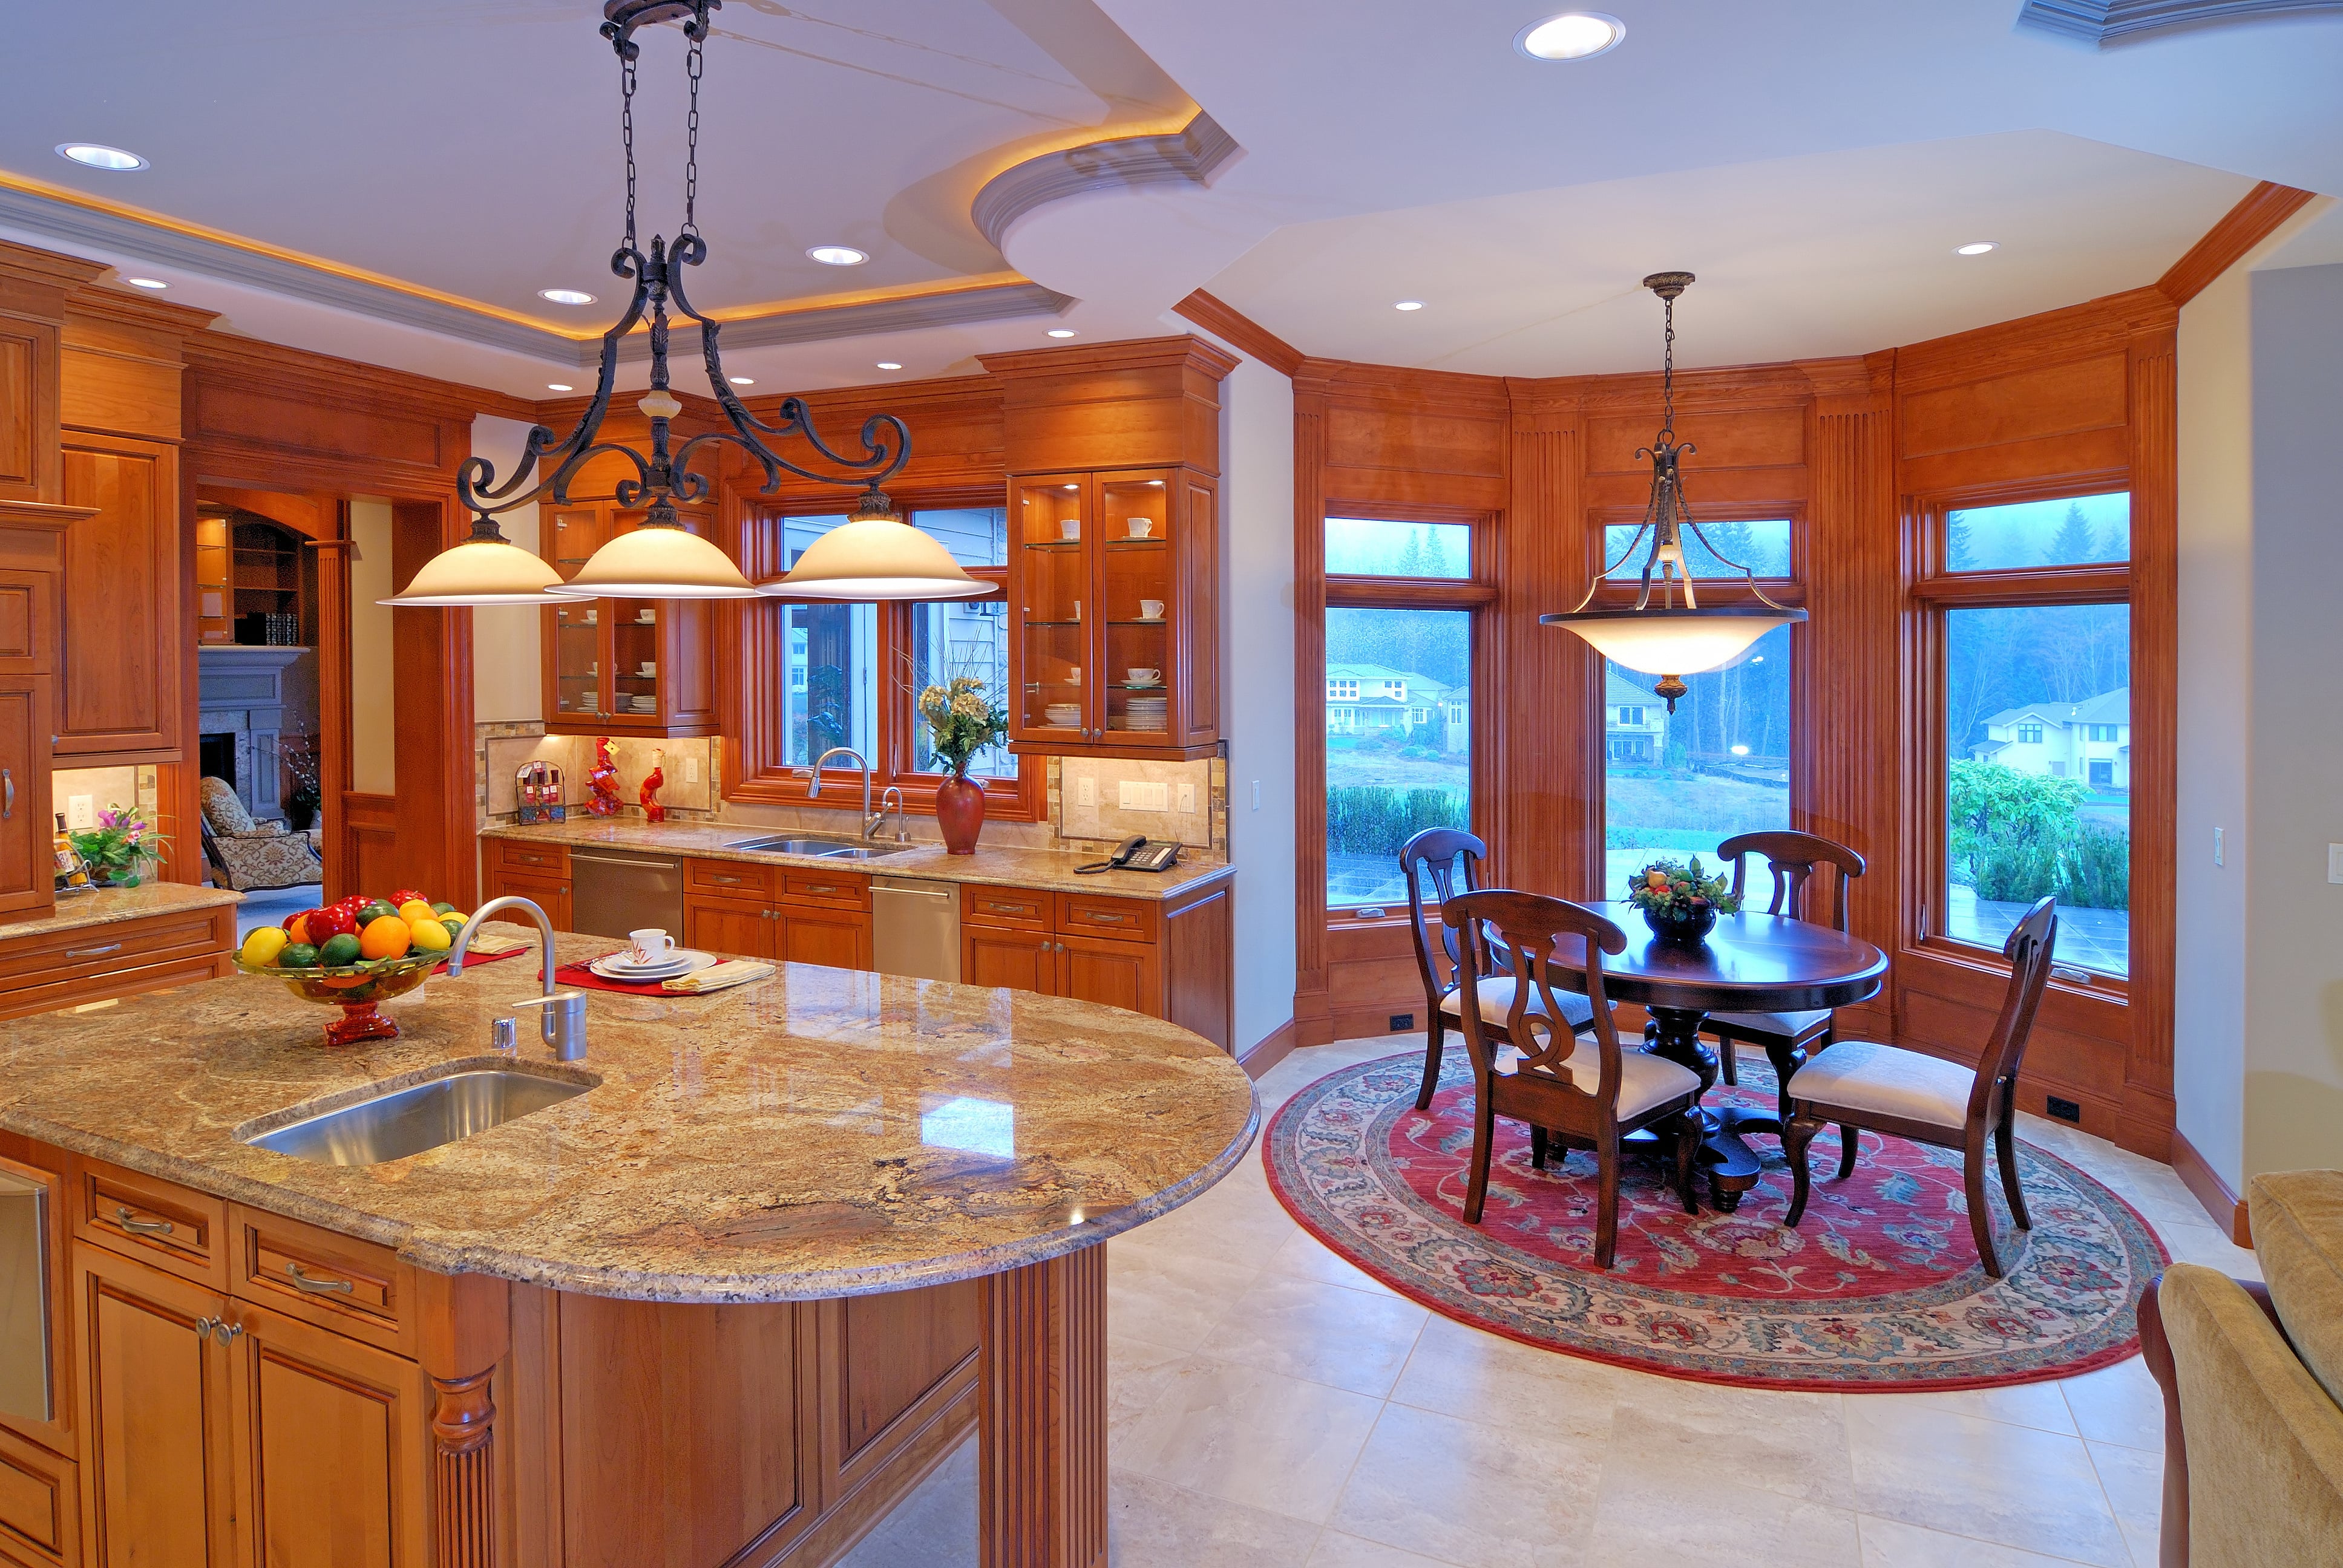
2199 1177
1272 1049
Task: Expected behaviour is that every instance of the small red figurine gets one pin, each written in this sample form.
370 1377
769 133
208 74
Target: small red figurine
602 781
648 795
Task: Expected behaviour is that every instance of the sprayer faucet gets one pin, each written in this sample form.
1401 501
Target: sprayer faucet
814 790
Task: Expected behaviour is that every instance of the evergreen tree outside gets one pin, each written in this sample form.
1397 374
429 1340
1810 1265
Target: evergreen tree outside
2074 541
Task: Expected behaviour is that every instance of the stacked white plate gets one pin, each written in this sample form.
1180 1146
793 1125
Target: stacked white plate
642 704
1064 715
623 966
1147 712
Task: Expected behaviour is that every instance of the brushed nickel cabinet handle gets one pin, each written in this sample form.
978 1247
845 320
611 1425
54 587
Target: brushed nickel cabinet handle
1101 918
8 799
731 881
93 952
316 1285
137 1226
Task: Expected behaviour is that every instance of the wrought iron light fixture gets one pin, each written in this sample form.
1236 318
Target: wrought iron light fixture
1665 639
661 558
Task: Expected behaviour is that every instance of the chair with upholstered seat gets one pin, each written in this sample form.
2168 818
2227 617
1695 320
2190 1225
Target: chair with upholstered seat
1889 1089
1573 1093
1441 858
250 856
1810 878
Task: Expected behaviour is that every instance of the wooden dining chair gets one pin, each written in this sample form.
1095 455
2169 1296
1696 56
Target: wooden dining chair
1573 1093
1810 883
1885 1088
1441 858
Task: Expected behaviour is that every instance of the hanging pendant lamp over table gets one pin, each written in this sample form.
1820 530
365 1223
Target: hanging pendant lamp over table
1665 640
883 558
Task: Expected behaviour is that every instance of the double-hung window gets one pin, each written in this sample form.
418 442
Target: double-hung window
2029 623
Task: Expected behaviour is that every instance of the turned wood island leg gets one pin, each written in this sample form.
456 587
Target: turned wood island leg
467 1333
1042 1430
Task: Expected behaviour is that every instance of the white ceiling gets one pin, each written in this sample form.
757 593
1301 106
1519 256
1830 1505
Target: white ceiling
1813 160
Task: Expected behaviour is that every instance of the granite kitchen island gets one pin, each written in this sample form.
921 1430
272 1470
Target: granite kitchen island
725 1305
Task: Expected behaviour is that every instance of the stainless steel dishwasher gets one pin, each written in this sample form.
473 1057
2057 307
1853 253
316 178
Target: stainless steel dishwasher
24 1328
614 891
915 927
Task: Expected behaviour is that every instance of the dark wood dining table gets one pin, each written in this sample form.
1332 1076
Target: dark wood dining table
1752 962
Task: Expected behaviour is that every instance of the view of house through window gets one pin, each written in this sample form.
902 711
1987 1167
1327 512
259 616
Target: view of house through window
1398 741
2037 798
1675 785
953 637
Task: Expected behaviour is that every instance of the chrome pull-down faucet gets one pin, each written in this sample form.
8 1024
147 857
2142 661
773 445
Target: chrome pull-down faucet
563 1026
814 790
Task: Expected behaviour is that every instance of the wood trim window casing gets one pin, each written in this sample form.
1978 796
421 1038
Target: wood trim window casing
1021 799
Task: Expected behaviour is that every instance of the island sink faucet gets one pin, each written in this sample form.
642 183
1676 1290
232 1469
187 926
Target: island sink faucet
563 1026
813 791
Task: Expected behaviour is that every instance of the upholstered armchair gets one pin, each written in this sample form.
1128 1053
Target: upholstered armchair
249 855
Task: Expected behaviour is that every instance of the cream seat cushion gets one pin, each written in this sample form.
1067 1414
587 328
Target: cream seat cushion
2297 1224
1859 1076
1497 1003
1789 1025
1644 1079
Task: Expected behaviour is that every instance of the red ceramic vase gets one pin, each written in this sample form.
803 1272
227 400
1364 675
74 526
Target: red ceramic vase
959 813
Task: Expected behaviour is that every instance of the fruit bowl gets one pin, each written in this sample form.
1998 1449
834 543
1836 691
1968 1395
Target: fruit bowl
355 988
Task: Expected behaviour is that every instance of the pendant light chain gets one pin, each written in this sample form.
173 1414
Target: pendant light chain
691 147
627 135
1668 373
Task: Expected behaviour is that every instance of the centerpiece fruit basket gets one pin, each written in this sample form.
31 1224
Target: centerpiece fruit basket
356 954
1681 902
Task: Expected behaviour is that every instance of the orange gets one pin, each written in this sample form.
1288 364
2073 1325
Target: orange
386 937
298 931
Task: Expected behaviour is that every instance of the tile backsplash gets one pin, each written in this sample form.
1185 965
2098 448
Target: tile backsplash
500 754
1112 799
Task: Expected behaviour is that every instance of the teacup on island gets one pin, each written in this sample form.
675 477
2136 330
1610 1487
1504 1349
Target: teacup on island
1071 528
1142 526
652 945
1148 676
1151 610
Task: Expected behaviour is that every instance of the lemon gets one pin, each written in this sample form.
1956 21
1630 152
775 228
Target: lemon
414 909
263 946
385 937
430 935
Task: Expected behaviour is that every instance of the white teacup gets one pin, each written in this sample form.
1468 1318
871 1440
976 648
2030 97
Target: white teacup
648 667
652 945
1071 528
1145 677
1140 527
1151 610
1078 611
1074 675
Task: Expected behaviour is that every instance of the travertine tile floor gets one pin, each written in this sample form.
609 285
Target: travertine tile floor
1272 1405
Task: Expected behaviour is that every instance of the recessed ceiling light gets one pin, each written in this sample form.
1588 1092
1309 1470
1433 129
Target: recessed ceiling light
839 255
1572 36
145 283
1409 305
93 156
741 380
558 386
1061 332
1976 248
566 296
889 365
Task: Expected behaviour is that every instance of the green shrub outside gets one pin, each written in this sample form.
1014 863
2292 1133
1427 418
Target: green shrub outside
1376 820
2016 836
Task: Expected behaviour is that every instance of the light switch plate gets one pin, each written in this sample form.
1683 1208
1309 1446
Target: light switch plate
2217 847
2335 862
1134 795
1187 799
1256 794
81 811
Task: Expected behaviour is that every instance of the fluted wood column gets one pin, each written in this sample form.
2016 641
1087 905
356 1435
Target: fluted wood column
1041 1431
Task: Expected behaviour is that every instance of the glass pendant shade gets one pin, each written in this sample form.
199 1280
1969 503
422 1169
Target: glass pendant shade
657 561
480 571
875 554
1674 642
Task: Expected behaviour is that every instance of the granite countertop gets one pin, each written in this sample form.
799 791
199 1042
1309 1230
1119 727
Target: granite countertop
825 1132
106 905
990 866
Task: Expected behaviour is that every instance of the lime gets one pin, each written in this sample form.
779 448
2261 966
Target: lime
298 956
443 908
339 951
373 911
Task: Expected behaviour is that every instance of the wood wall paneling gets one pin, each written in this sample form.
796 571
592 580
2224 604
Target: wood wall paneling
2254 219
125 642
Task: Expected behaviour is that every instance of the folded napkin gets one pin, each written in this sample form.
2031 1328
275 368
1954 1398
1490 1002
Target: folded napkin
495 944
719 977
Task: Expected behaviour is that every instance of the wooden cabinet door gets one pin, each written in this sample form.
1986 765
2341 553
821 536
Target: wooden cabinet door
157 1470
840 937
118 679
1120 974
548 893
28 867
1020 960
743 930
329 1442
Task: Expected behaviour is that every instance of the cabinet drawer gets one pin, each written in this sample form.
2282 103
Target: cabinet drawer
825 887
351 1287
108 984
40 1506
547 859
168 1226
116 945
1011 908
729 878
1129 919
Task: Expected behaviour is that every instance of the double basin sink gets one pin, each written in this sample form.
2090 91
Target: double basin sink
828 849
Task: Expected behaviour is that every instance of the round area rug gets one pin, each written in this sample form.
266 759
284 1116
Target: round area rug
1878 1288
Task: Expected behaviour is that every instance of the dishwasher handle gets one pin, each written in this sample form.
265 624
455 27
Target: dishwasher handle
647 863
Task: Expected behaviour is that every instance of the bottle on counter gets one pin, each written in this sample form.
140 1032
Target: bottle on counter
72 871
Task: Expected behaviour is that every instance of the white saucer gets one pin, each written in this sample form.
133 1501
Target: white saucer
682 961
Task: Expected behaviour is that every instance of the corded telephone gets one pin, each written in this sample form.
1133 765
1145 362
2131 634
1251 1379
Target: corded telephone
1136 854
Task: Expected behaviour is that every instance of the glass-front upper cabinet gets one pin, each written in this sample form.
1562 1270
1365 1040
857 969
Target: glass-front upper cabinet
1112 644
622 665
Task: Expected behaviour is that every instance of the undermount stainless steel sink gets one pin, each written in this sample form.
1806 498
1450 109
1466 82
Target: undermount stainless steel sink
829 849
421 1116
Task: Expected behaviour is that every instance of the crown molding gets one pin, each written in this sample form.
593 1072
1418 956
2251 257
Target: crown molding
1226 322
1190 156
994 298
1182 351
2244 226
325 379
2101 22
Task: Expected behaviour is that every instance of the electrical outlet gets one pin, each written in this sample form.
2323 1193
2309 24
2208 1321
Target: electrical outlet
81 811
2335 862
2064 1109
1134 795
1086 792
691 769
1187 799
1401 1023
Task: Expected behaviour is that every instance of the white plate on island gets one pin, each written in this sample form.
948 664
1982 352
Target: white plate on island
619 966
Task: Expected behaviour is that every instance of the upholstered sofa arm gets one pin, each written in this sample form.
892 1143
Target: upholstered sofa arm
2264 1464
